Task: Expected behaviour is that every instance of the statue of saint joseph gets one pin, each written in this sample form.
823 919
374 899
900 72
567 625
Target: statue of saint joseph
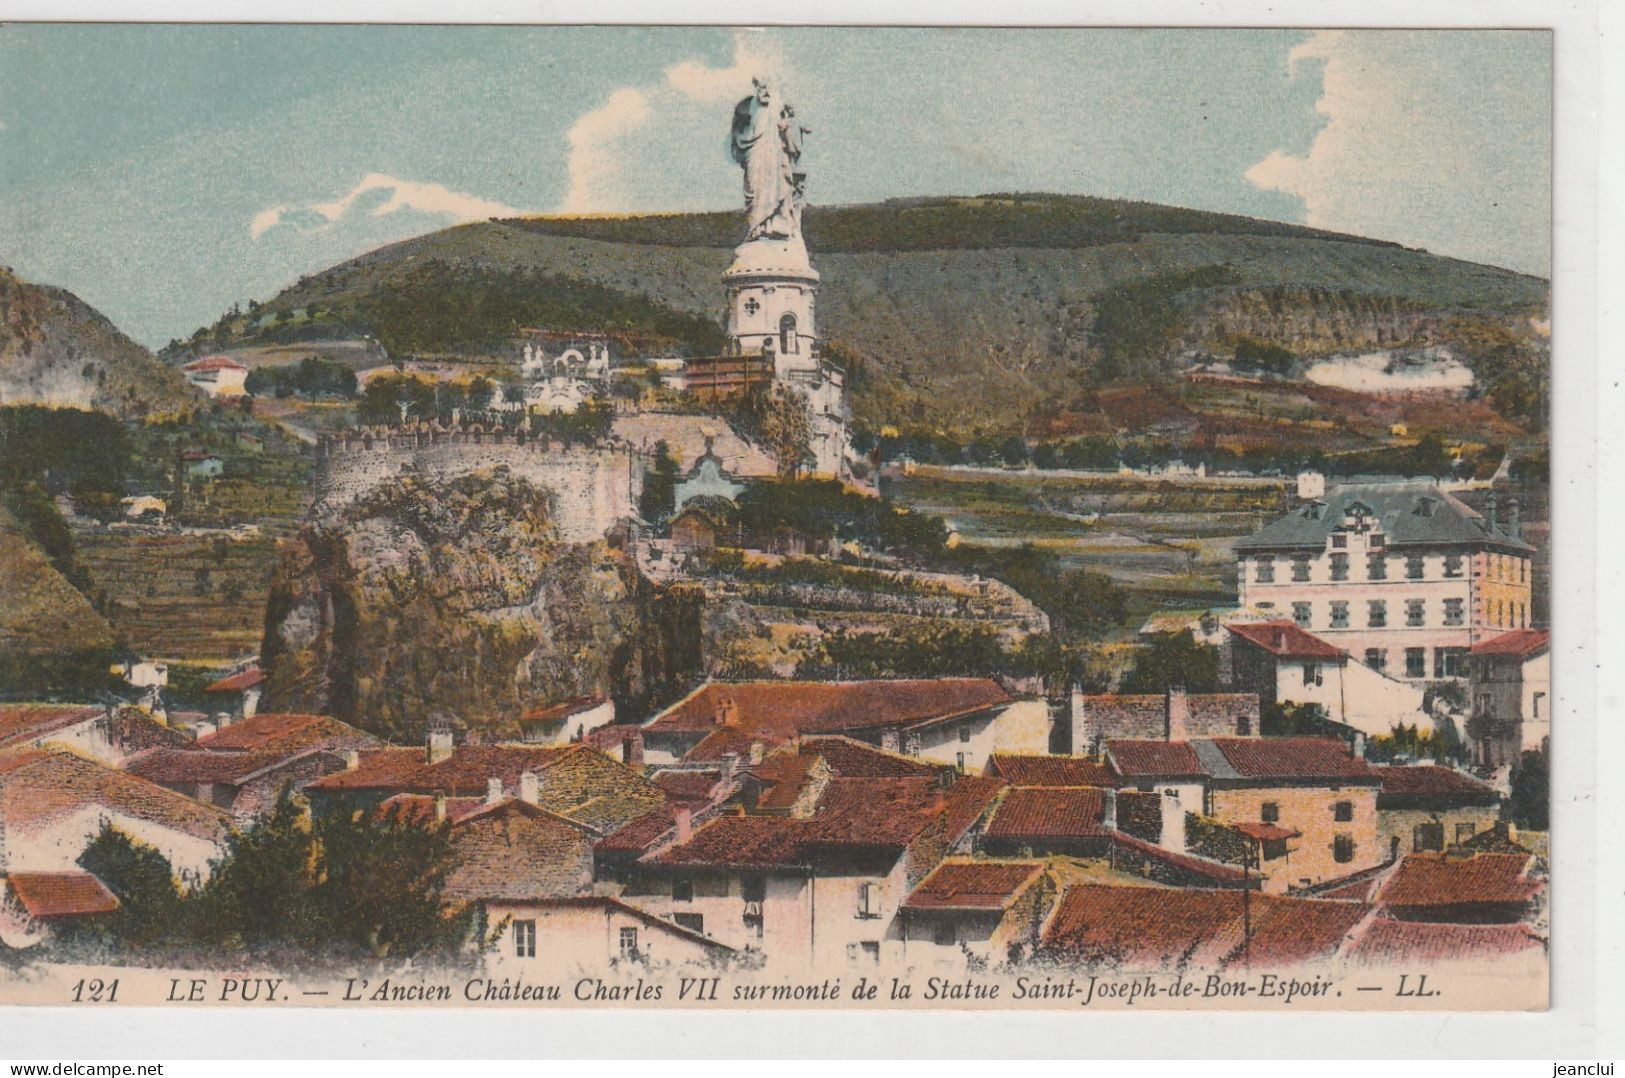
766 144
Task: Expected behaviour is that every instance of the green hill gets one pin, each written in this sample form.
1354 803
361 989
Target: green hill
50 636
968 314
56 349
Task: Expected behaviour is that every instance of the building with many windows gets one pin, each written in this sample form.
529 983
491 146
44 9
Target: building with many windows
1402 575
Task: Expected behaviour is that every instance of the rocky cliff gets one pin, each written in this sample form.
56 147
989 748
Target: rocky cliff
453 597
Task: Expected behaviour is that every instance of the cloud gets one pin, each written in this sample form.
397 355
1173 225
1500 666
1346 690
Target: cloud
430 198
1426 141
601 141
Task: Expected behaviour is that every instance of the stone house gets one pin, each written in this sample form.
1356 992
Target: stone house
1431 808
974 913
1510 696
1282 663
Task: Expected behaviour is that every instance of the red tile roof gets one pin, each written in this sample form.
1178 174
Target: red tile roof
564 710
214 363
272 731
974 885
1035 812
1266 832
730 739
420 808
243 679
1431 879
20 723
639 834
1285 640
1020 770
467 770
787 776
695 786
172 767
742 841
1207 868
852 759
1519 643
1162 759
785 709
1164 928
61 894
1386 942
39 787
1293 758
1407 786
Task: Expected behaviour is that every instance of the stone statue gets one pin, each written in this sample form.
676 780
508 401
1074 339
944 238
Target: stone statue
766 143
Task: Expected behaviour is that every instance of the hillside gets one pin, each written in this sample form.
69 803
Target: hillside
56 349
49 634
972 314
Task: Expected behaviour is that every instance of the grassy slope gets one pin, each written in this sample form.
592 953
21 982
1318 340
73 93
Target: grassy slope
39 609
988 304
56 349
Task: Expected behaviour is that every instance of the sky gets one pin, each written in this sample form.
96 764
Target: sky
163 173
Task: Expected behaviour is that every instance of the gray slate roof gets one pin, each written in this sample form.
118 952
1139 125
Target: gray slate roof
1412 512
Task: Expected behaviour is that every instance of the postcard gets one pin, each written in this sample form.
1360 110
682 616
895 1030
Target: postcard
636 517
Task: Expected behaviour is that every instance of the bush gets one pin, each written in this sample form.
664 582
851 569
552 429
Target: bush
1173 660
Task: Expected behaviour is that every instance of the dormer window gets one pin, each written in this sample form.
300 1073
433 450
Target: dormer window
1424 507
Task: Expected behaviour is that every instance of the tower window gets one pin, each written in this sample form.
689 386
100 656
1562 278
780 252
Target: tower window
751 306
787 334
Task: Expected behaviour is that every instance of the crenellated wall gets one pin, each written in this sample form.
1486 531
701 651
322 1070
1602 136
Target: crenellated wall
593 486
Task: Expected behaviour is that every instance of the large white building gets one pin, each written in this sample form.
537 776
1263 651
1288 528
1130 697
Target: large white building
1402 575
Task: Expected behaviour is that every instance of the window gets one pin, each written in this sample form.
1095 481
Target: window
1340 615
1311 673
1452 565
682 890
1340 540
1376 567
1265 573
1376 613
1374 541
1523 570
787 335
964 732
1464 831
1453 614
1300 567
1413 567
1343 849
753 888
1427 838
868 900
1415 612
1274 848
1269 812
946 934
1244 726
1523 616
1416 662
1535 702
1340 566
865 953
629 943
1343 811
694 922
1300 614
1376 658
1450 662
751 306
524 939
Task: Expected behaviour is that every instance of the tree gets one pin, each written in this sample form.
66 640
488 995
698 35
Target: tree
259 891
1530 802
786 430
1173 660
659 485
150 904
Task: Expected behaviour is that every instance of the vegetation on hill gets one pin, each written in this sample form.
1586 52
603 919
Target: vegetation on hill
972 316
57 349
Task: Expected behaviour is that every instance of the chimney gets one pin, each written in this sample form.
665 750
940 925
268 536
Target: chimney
1514 525
946 777
222 719
1179 714
1080 728
352 760
1108 809
758 750
684 819
730 766
632 749
439 746
493 790
439 806
530 789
